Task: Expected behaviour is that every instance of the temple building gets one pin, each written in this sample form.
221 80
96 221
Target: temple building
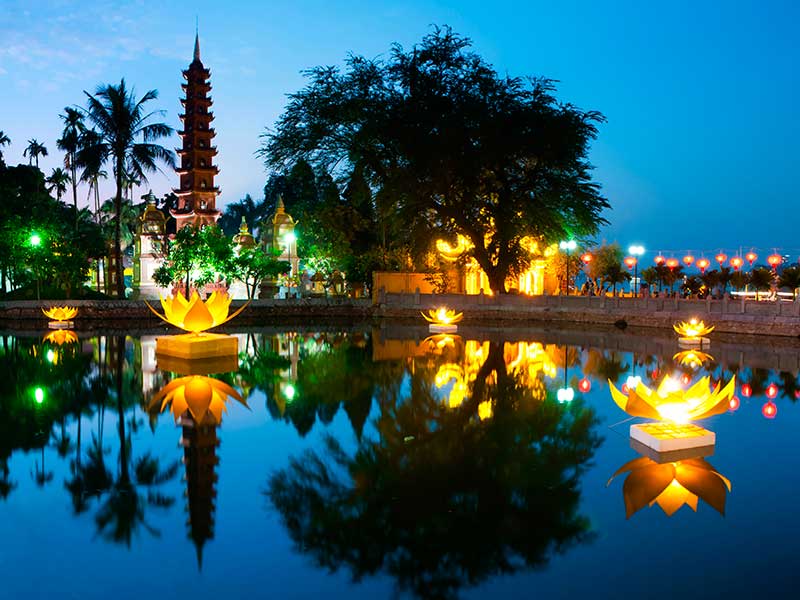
197 195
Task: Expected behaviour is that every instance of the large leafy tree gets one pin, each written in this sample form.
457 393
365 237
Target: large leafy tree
126 137
457 147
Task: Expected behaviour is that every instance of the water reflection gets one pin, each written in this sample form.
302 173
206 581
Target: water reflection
441 498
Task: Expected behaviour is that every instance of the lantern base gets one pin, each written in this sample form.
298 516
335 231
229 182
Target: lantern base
198 366
672 456
669 437
686 342
193 346
442 328
60 324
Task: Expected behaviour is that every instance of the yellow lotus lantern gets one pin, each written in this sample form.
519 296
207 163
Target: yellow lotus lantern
691 333
204 398
694 359
672 485
61 337
195 316
60 316
675 407
442 320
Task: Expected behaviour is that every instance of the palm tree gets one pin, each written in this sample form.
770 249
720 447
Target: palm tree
126 140
614 275
70 143
34 151
761 279
4 141
790 278
57 182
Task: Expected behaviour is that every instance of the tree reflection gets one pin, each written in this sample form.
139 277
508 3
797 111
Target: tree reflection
442 498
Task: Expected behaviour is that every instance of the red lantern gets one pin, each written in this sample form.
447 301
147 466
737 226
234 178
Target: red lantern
688 260
747 391
685 379
774 260
625 388
672 263
734 404
702 264
721 258
630 261
769 410
586 257
736 262
797 394
654 374
751 257
660 260
585 385
772 391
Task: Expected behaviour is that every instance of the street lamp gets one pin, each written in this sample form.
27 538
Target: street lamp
568 246
636 251
35 241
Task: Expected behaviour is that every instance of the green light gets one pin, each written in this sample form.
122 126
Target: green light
38 395
51 356
36 240
289 391
290 237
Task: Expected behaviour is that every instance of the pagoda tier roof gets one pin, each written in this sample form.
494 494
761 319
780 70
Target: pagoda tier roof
209 133
210 150
192 69
203 85
204 100
200 116
207 168
210 191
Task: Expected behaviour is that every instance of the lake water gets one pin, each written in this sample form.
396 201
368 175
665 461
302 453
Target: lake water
377 463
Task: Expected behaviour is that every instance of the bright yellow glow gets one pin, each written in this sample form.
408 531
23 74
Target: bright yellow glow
60 313
693 329
204 397
671 403
693 359
443 316
194 315
61 337
452 253
672 485
485 410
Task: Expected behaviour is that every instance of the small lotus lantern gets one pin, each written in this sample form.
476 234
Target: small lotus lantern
694 359
196 317
204 398
60 316
693 332
60 337
674 408
443 320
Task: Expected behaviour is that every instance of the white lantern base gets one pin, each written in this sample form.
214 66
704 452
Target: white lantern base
669 437
695 342
60 324
442 328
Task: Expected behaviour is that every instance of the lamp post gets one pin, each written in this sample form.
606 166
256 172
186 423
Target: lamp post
568 246
636 251
289 239
36 241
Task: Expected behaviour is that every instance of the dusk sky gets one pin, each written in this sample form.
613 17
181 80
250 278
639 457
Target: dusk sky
699 150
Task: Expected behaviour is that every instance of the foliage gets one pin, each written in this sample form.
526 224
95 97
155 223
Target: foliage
606 261
449 145
615 275
790 278
255 264
761 279
197 256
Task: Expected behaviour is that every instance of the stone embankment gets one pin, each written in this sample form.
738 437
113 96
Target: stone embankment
778 318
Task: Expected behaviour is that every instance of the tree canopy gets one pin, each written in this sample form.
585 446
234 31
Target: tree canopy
452 146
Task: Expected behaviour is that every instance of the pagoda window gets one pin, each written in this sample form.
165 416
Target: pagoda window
203 184
202 162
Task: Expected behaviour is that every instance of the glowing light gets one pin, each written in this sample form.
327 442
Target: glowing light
442 316
289 392
747 390
734 404
35 239
203 397
60 313
672 263
290 237
485 410
737 262
703 264
194 315
769 410
751 257
568 245
52 357
693 330
630 261
61 337
721 258
38 395
774 260
565 394
693 359
666 402
772 391
633 381
688 260
659 260
587 257
452 253
585 385
685 379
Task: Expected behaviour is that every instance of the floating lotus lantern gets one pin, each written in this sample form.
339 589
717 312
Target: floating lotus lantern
691 333
61 337
196 316
204 398
694 359
672 485
703 264
60 316
674 408
442 320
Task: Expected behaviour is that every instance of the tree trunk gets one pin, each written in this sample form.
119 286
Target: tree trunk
74 187
120 291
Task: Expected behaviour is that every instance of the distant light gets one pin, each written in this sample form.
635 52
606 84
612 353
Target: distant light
51 356
38 395
35 239
290 237
772 391
585 385
769 410
747 390
702 264
289 392
734 404
566 394
568 245
633 381
636 250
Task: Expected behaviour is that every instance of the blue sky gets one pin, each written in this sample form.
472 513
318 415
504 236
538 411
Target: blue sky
699 150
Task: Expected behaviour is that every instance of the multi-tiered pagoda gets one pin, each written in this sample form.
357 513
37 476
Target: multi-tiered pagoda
197 195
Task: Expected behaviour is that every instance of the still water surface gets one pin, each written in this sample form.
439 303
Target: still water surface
375 464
